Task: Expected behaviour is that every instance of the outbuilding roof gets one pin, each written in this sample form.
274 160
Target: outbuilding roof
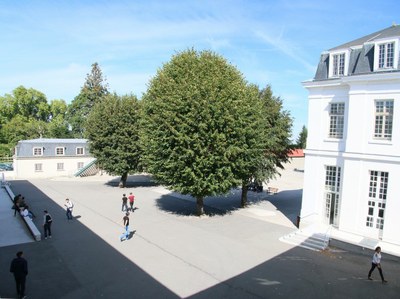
54 140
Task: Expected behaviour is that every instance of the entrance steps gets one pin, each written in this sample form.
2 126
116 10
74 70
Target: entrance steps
308 238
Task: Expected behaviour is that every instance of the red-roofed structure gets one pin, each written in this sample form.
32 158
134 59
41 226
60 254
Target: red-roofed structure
296 153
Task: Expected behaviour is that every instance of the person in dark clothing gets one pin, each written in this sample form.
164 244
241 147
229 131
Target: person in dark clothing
47 221
124 203
19 267
16 201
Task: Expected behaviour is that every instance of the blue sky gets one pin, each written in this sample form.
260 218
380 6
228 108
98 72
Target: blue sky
50 45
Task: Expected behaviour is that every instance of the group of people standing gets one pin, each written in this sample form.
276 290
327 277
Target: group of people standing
131 198
20 206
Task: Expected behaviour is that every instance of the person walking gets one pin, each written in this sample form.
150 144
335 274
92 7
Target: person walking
124 203
376 263
47 221
131 198
126 233
69 205
19 267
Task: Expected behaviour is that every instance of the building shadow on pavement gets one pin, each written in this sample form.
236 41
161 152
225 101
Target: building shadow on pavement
75 262
301 273
288 202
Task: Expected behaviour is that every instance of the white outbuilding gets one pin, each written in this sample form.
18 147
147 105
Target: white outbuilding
45 158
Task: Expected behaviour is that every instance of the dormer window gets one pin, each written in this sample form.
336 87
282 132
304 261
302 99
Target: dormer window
38 151
337 65
59 151
386 55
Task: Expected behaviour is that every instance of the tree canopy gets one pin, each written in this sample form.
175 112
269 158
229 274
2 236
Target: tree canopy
26 114
112 128
195 120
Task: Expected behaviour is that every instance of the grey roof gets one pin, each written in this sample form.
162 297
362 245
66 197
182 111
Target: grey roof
391 31
361 58
25 148
54 140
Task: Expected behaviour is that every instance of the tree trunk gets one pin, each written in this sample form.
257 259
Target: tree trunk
200 206
243 199
122 182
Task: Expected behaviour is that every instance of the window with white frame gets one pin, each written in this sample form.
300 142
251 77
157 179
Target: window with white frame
378 187
38 167
60 166
60 151
338 65
336 120
332 178
38 151
386 55
383 119
80 165
80 151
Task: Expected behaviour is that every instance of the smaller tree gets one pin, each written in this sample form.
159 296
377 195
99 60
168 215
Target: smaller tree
301 141
112 128
275 140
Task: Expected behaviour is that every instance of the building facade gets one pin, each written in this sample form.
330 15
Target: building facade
44 158
352 159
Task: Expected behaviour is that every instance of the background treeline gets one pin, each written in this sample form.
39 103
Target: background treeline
26 113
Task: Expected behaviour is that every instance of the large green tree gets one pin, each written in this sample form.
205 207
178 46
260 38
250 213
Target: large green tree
195 117
112 128
26 114
28 103
93 91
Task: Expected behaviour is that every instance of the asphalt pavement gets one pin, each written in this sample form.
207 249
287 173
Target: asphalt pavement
228 253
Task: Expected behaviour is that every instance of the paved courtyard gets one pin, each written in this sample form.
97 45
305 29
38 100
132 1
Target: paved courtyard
229 253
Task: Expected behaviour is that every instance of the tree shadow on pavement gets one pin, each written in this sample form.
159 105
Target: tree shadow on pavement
185 205
137 180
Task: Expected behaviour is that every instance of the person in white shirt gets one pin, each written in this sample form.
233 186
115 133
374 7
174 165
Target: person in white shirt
69 205
26 213
376 263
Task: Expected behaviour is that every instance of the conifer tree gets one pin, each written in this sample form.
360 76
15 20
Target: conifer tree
93 91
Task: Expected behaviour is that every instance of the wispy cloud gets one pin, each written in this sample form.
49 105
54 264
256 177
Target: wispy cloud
284 46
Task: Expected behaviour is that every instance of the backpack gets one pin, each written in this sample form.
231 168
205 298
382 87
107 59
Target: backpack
48 218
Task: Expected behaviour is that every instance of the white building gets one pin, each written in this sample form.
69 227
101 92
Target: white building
44 158
352 160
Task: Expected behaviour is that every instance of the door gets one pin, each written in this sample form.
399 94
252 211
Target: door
332 209
375 217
